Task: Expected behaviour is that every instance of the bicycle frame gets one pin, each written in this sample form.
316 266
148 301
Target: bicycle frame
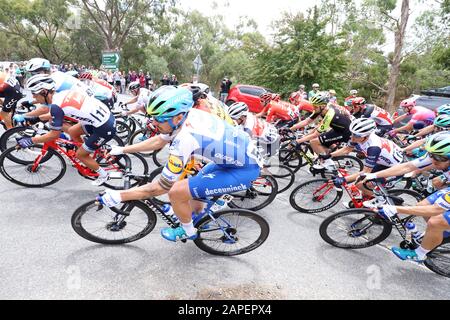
82 169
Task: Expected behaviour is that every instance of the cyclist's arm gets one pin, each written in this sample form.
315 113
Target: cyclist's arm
414 145
56 125
37 112
425 131
309 137
154 143
408 127
301 124
263 111
342 152
136 110
355 176
400 118
397 170
132 100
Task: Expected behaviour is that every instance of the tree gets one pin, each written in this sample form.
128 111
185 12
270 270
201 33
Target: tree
114 20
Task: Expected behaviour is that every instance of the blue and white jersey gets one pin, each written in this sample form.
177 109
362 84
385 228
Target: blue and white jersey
101 92
65 82
426 161
207 136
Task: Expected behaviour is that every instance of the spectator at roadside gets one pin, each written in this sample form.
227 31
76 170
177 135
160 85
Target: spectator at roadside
133 77
142 80
174 80
148 78
225 89
314 91
165 81
116 78
109 78
123 83
332 96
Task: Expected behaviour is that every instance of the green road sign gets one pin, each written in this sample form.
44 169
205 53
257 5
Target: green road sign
110 60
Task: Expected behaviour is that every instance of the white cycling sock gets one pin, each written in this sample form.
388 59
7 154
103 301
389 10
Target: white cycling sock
189 228
422 253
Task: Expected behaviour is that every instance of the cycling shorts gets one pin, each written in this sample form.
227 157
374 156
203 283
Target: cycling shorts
99 136
418 125
12 96
216 180
332 136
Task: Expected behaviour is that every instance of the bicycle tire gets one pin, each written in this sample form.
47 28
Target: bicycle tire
135 138
156 161
435 261
370 216
320 182
289 157
285 180
204 227
123 131
53 153
78 227
252 193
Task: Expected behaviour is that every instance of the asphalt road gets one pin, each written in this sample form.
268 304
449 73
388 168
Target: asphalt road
43 258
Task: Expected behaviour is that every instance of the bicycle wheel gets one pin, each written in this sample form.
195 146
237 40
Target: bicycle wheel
405 197
290 158
231 232
354 229
261 193
35 173
348 163
283 174
8 140
315 196
160 156
163 199
107 225
138 137
123 131
438 260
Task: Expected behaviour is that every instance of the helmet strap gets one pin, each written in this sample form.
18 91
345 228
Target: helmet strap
175 127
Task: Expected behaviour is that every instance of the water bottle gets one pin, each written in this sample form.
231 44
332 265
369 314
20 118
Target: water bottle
430 187
411 229
218 205
64 136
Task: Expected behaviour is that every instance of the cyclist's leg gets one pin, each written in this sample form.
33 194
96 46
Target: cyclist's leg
75 132
436 227
9 105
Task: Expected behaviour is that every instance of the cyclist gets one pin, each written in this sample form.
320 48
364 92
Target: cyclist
93 117
442 110
103 91
435 209
441 123
234 158
380 153
348 100
265 133
432 160
274 109
299 95
334 128
141 98
360 109
421 117
10 92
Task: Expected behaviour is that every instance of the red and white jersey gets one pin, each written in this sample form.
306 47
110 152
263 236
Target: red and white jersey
78 106
259 129
379 115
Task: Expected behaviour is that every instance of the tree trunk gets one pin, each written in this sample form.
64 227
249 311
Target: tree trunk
400 33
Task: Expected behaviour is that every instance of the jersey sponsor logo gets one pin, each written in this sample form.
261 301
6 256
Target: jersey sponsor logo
209 176
230 189
447 197
175 164
228 159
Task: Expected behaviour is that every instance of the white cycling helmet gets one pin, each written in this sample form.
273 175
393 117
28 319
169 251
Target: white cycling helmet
353 92
363 127
204 88
37 65
237 110
40 82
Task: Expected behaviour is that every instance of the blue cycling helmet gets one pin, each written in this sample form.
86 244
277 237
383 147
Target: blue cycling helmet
170 101
445 109
37 65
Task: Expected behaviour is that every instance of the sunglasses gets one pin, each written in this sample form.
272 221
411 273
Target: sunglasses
439 158
162 119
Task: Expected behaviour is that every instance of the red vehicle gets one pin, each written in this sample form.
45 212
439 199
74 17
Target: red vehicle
248 94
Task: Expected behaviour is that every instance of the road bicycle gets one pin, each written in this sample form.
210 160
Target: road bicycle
362 228
227 232
319 195
43 165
